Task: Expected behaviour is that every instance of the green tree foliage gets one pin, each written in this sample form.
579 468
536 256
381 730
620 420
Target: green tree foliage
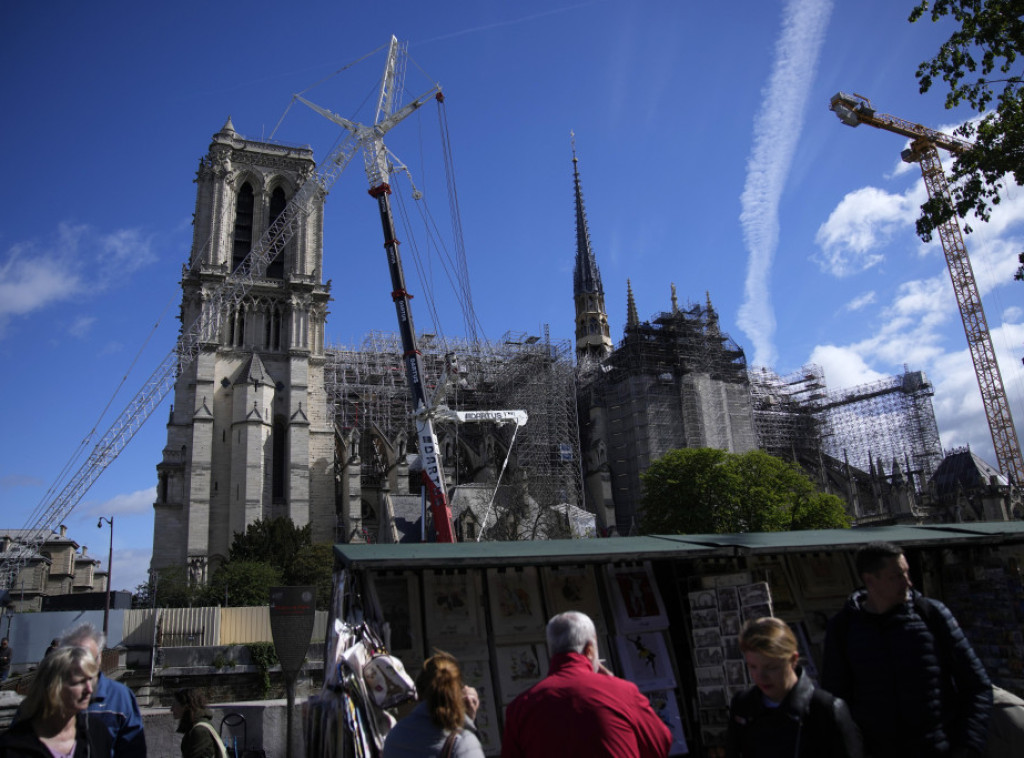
171 588
242 583
979 64
314 566
274 541
708 491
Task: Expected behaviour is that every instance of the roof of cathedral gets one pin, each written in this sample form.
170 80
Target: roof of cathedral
965 469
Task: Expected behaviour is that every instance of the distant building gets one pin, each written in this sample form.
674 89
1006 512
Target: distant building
57 567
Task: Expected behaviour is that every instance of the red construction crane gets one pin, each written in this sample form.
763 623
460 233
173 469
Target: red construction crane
854 110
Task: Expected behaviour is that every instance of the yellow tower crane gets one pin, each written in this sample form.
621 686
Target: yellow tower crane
854 110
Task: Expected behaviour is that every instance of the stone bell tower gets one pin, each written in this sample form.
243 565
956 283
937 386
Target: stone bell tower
249 434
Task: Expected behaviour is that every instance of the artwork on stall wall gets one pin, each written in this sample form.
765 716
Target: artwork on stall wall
636 599
665 705
515 603
783 600
718 609
477 673
398 599
755 600
452 608
520 667
736 673
645 660
823 576
573 588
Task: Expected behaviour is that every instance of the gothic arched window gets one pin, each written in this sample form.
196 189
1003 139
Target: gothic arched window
242 241
277 203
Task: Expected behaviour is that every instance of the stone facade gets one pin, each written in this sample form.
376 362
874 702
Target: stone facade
249 435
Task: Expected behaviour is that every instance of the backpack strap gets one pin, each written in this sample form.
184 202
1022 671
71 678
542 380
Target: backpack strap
221 749
449 744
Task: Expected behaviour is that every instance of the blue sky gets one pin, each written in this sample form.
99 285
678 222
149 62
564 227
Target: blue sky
708 155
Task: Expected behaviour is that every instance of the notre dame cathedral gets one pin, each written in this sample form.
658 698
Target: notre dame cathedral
269 421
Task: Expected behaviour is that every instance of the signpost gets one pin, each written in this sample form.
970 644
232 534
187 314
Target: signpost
292 613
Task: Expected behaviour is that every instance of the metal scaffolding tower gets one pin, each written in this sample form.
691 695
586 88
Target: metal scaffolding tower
366 386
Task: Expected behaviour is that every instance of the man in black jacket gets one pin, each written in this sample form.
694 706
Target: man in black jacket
902 663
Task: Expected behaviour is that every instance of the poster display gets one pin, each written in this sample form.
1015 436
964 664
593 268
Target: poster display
515 599
635 599
645 660
573 588
718 610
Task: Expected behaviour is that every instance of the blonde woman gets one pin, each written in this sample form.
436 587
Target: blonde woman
440 726
52 721
783 715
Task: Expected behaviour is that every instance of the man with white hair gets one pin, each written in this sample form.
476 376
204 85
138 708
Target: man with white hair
580 708
112 702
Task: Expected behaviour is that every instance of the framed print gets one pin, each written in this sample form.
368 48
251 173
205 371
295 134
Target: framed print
736 673
728 599
703 599
783 600
755 600
477 674
515 603
705 618
397 598
823 576
731 623
708 676
573 588
520 667
451 605
645 660
709 637
666 706
636 599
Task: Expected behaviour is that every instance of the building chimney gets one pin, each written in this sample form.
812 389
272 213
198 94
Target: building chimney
63 531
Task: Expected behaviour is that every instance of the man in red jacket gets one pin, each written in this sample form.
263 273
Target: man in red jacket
580 708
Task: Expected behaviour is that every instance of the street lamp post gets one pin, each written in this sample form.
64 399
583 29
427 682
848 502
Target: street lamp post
110 569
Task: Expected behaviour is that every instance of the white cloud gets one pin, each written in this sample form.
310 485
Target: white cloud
75 261
32 277
862 223
131 568
861 301
844 367
776 133
81 326
19 480
140 501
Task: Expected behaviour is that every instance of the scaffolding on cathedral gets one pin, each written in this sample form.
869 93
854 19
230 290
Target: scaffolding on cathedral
786 411
367 388
675 381
891 420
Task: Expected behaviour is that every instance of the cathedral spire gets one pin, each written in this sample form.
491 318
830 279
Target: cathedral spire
631 318
593 338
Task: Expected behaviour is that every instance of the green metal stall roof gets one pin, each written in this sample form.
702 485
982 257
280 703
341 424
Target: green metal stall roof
524 553
818 540
664 546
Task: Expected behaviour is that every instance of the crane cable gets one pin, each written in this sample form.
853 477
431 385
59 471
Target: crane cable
511 442
38 514
469 313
